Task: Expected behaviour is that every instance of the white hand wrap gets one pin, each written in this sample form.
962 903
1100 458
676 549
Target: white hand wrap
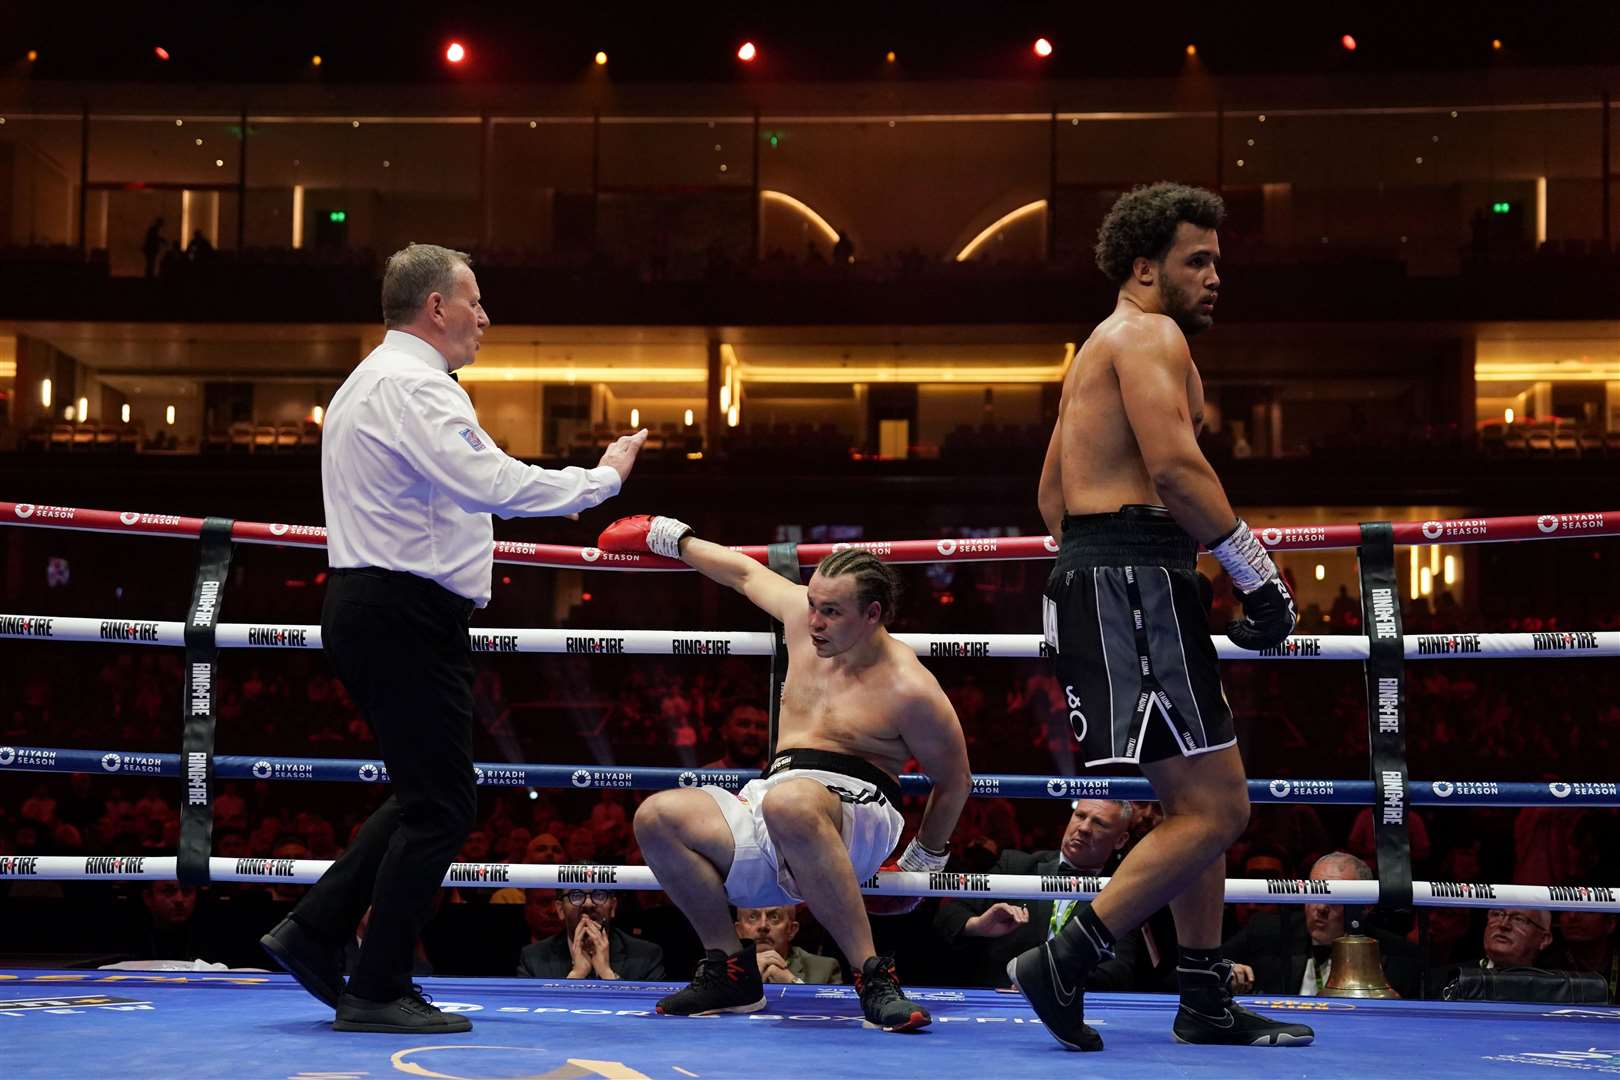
1244 558
664 536
918 858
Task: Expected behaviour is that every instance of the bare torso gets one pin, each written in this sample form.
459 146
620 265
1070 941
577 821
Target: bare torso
1102 465
828 706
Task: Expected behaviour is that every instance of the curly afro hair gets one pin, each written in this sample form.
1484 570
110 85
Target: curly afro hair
1142 224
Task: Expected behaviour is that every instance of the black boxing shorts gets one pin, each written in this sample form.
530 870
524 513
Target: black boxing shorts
1126 619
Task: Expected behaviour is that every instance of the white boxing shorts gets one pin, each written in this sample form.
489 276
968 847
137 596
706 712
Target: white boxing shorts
871 829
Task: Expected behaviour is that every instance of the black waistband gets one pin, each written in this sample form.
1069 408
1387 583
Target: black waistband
406 580
827 761
1134 535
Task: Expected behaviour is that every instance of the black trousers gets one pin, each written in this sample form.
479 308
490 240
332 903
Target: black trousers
399 643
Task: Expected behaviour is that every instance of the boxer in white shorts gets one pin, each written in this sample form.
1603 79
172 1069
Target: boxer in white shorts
856 706
870 827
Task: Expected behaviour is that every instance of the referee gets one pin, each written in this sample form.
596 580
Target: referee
410 480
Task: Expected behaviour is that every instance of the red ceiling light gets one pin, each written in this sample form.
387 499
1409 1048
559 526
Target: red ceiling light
1348 42
160 52
1043 48
746 52
455 52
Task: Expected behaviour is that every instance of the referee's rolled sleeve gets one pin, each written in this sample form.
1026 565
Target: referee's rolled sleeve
439 435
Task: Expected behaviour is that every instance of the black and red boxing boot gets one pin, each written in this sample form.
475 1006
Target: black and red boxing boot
723 984
882 1000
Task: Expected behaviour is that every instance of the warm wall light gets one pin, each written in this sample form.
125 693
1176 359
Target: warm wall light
1192 50
1009 218
33 54
732 415
1496 44
1043 48
1426 581
69 415
1348 42
168 415
123 412
315 61
1321 572
601 59
455 53
160 52
889 56
635 418
298 217
746 52
725 397
1434 559
1507 415
45 392
318 415
1449 573
687 418
84 408
1413 572
803 210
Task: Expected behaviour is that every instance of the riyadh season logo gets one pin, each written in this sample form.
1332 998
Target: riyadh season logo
1057 787
25 510
1559 790
1432 530
111 762
278 529
369 773
1280 788
1443 788
581 777
1547 523
261 770
590 554
7 755
946 547
688 778
1272 536
1050 544
129 517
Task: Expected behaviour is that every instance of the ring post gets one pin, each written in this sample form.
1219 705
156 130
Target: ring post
784 560
197 703
1386 711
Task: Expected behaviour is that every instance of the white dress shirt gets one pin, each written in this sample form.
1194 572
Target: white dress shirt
410 479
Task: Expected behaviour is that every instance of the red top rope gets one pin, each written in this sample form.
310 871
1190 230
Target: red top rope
962 549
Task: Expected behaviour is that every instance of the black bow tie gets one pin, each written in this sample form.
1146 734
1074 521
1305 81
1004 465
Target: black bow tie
454 377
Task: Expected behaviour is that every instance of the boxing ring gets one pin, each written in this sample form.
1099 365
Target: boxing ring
260 1024
253 1026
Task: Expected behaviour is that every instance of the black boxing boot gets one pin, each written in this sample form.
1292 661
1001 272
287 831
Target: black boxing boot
1052 978
722 984
1209 1015
882 1000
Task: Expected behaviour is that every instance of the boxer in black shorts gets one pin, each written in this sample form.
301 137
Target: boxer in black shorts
1127 621
1130 494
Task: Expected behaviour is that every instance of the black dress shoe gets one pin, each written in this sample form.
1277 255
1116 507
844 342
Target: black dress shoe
317 966
412 1014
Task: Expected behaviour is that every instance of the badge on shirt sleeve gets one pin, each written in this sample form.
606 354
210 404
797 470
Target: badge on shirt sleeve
472 438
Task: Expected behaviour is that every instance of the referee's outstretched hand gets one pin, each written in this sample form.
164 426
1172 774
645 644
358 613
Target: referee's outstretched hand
621 456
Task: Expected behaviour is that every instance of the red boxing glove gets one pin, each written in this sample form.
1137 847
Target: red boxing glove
645 533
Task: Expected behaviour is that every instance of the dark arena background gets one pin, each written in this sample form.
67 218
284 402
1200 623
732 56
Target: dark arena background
838 263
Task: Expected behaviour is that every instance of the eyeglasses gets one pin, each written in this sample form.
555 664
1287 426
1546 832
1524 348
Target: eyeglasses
1513 919
579 896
